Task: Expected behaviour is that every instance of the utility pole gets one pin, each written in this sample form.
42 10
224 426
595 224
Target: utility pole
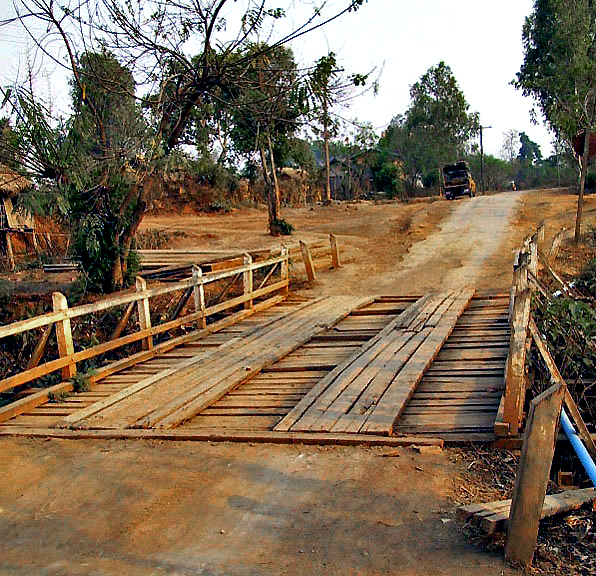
482 159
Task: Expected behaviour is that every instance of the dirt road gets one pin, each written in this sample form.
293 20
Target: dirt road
147 508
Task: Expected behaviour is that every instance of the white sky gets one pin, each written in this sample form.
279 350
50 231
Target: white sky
479 40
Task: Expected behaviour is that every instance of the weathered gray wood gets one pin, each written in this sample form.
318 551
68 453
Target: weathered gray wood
532 474
308 265
515 387
247 280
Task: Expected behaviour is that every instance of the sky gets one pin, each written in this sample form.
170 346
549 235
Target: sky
400 39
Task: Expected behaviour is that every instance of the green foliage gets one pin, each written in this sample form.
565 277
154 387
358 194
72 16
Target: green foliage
80 382
281 227
569 326
559 61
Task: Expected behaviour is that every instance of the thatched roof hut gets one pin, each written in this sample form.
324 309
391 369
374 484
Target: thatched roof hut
11 183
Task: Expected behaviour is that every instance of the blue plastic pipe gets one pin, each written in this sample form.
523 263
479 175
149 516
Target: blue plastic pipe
579 447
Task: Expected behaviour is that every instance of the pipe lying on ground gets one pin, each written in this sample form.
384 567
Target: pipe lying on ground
579 447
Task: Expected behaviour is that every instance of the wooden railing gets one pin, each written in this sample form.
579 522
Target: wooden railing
61 316
529 265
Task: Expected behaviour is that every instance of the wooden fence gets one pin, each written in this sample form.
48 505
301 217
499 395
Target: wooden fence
140 300
531 264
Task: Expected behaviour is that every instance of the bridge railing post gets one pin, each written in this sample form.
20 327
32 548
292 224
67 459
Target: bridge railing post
247 279
64 335
199 295
144 312
515 377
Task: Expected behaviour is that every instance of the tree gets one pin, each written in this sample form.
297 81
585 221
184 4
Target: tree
265 117
91 164
558 71
510 147
438 121
328 87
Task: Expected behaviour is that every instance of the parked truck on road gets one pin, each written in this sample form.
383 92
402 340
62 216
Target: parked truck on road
458 181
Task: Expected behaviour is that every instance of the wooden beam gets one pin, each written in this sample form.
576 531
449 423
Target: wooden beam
532 474
334 251
64 336
247 281
515 387
9 250
254 436
144 312
123 321
39 348
308 265
493 517
199 295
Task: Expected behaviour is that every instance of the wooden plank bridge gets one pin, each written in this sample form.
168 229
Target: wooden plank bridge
336 369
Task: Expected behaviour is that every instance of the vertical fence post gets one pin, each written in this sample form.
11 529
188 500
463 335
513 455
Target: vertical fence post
9 251
285 266
515 385
247 280
144 313
534 257
540 233
198 290
308 265
64 335
532 474
334 251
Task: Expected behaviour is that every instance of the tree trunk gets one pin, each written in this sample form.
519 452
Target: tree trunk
269 187
582 184
327 200
274 201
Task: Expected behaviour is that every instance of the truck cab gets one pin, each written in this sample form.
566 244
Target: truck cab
458 181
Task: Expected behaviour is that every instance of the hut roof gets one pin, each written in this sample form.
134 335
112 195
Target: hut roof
11 183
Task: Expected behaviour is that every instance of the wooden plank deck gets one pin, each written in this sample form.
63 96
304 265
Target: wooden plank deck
258 375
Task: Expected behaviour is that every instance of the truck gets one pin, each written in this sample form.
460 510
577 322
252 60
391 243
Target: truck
458 181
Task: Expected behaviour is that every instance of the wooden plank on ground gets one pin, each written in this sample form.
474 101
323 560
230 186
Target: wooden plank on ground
386 412
273 348
493 517
351 367
132 403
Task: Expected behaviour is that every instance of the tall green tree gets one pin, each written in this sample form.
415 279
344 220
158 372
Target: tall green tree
439 118
559 71
266 114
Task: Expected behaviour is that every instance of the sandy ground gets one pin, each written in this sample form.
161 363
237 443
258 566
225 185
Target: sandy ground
151 508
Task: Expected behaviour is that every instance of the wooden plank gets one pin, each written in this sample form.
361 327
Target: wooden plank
532 474
189 407
355 415
40 348
64 337
215 435
350 368
493 517
386 412
515 390
181 371
308 265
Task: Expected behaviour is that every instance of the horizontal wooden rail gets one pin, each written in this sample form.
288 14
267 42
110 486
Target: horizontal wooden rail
68 358
125 298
